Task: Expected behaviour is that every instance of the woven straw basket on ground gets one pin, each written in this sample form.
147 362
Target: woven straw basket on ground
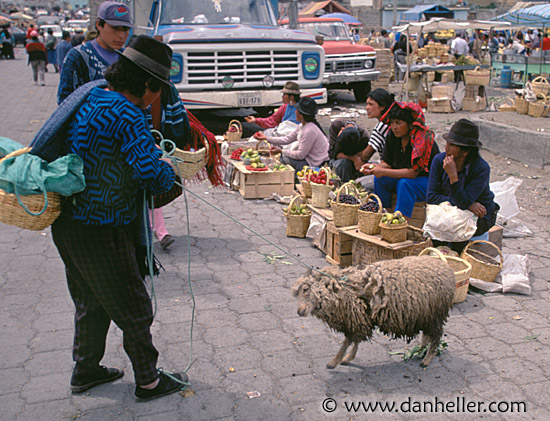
484 267
460 267
41 209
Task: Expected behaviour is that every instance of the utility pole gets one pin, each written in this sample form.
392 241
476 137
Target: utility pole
394 12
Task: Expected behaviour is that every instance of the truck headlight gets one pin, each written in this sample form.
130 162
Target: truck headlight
310 64
176 69
369 64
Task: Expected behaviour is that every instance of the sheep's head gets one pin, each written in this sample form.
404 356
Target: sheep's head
310 290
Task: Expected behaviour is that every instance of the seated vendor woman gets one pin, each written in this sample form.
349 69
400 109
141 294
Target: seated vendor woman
460 176
406 159
312 147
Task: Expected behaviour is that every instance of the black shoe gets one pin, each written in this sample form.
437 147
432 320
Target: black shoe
83 381
165 387
166 241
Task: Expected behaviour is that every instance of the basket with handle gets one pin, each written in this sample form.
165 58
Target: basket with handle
540 85
297 225
306 185
508 106
369 222
32 212
320 192
188 163
263 147
522 105
345 214
484 267
478 76
540 108
461 268
394 233
234 135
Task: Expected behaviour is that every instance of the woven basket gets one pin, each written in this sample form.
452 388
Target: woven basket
540 85
369 222
343 214
394 233
480 77
44 208
540 108
190 163
320 192
234 136
522 105
462 270
297 225
508 106
484 267
265 150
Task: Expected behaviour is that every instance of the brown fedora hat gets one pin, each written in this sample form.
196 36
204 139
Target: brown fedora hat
150 55
464 133
291 88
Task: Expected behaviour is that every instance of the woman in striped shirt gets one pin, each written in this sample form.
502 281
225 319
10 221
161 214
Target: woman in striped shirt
378 103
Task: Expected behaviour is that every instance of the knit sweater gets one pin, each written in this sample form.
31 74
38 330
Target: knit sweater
82 64
36 51
312 144
285 110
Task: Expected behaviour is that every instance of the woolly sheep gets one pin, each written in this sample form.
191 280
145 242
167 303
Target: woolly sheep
400 297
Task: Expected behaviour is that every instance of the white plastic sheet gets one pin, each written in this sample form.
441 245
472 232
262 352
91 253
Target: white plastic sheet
445 222
514 277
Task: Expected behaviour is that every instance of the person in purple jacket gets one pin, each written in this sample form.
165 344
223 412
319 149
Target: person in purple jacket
312 147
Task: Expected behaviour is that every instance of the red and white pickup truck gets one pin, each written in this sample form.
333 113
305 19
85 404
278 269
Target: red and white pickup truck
347 65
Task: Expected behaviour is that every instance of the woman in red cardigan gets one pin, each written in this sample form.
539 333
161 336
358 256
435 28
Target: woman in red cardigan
37 58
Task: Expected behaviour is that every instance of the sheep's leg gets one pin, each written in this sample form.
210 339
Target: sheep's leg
433 342
351 354
340 355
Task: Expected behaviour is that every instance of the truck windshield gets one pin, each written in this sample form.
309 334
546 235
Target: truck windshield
255 12
331 31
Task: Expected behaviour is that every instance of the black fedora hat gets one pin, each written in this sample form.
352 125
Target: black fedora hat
464 133
150 55
307 106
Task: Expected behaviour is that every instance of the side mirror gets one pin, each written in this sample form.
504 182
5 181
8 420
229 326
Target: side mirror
319 39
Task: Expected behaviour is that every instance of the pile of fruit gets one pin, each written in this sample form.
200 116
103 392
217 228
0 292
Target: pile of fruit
298 210
280 167
370 206
393 218
254 158
233 128
348 199
319 177
236 154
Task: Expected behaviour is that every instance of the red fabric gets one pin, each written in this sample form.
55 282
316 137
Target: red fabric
545 44
214 168
35 46
421 137
274 120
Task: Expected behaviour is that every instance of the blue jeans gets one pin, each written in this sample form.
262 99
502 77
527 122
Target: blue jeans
408 191
345 169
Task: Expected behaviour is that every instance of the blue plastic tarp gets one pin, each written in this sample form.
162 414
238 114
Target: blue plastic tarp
429 10
535 15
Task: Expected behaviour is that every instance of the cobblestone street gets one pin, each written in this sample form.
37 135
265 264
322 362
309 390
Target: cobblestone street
247 336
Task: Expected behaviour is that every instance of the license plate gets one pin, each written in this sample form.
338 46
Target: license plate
249 99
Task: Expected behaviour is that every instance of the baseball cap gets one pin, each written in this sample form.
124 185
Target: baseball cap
115 14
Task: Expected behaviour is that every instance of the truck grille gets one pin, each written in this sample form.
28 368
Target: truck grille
245 67
346 62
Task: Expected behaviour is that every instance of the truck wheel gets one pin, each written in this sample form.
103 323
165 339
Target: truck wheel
361 90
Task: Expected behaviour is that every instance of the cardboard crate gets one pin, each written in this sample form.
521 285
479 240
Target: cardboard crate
338 246
261 184
440 106
368 249
442 91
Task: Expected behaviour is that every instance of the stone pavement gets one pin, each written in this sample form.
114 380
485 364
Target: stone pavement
247 336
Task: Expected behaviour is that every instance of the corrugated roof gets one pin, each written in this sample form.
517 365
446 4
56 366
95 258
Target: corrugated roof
430 10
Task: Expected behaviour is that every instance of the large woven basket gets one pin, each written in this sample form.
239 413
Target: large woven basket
42 209
484 267
343 214
508 106
320 192
263 147
297 225
480 77
522 105
190 163
394 233
236 135
369 222
462 270
540 85
540 108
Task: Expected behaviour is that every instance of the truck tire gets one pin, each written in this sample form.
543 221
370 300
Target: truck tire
361 90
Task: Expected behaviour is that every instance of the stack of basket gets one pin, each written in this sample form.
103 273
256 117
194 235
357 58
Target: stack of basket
384 65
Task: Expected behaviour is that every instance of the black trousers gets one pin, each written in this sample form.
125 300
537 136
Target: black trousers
105 284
